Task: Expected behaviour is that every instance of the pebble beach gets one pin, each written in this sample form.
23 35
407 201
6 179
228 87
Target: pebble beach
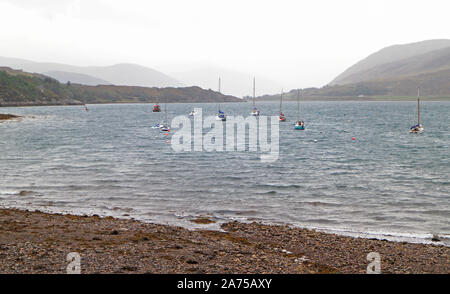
37 242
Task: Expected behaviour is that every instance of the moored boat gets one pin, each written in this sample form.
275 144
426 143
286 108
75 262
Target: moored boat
255 111
282 117
156 108
418 128
220 114
299 124
164 127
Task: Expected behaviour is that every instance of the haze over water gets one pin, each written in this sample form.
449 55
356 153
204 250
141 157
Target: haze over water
109 161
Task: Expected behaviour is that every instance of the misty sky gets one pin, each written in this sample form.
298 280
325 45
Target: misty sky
295 43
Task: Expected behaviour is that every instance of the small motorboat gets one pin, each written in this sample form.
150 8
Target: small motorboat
156 126
156 108
193 113
299 125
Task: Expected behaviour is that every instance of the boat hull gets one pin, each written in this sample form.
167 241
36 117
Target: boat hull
221 117
416 129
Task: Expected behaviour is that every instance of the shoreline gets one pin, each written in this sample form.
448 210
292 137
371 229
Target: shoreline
38 242
321 99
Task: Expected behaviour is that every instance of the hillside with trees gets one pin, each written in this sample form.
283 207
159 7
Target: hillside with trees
18 88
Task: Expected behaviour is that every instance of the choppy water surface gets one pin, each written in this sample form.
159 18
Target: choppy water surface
109 161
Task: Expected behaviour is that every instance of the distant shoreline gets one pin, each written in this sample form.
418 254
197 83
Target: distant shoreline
112 103
362 99
37 242
322 99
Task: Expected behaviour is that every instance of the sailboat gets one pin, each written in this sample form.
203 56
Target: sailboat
220 114
165 126
85 108
255 111
418 128
299 124
282 117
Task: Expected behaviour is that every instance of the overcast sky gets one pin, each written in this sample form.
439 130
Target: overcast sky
295 43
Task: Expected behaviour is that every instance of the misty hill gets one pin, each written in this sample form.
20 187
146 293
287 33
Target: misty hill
413 59
395 71
119 74
233 82
430 62
18 88
76 78
432 84
132 75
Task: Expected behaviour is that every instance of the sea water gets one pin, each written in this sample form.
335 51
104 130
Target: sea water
386 183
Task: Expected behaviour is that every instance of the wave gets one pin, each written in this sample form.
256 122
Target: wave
320 203
16 192
280 186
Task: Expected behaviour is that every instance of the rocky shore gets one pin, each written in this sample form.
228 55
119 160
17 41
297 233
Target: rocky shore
36 242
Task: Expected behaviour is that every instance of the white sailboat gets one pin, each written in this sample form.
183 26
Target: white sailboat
165 125
220 114
255 111
418 128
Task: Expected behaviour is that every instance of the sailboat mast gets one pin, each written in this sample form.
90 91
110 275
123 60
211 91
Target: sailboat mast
418 106
254 92
298 104
219 92
281 99
165 110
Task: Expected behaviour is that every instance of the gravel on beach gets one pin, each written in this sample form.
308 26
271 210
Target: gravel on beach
37 242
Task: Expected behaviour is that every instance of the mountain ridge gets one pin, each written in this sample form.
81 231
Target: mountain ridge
394 53
118 74
436 60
